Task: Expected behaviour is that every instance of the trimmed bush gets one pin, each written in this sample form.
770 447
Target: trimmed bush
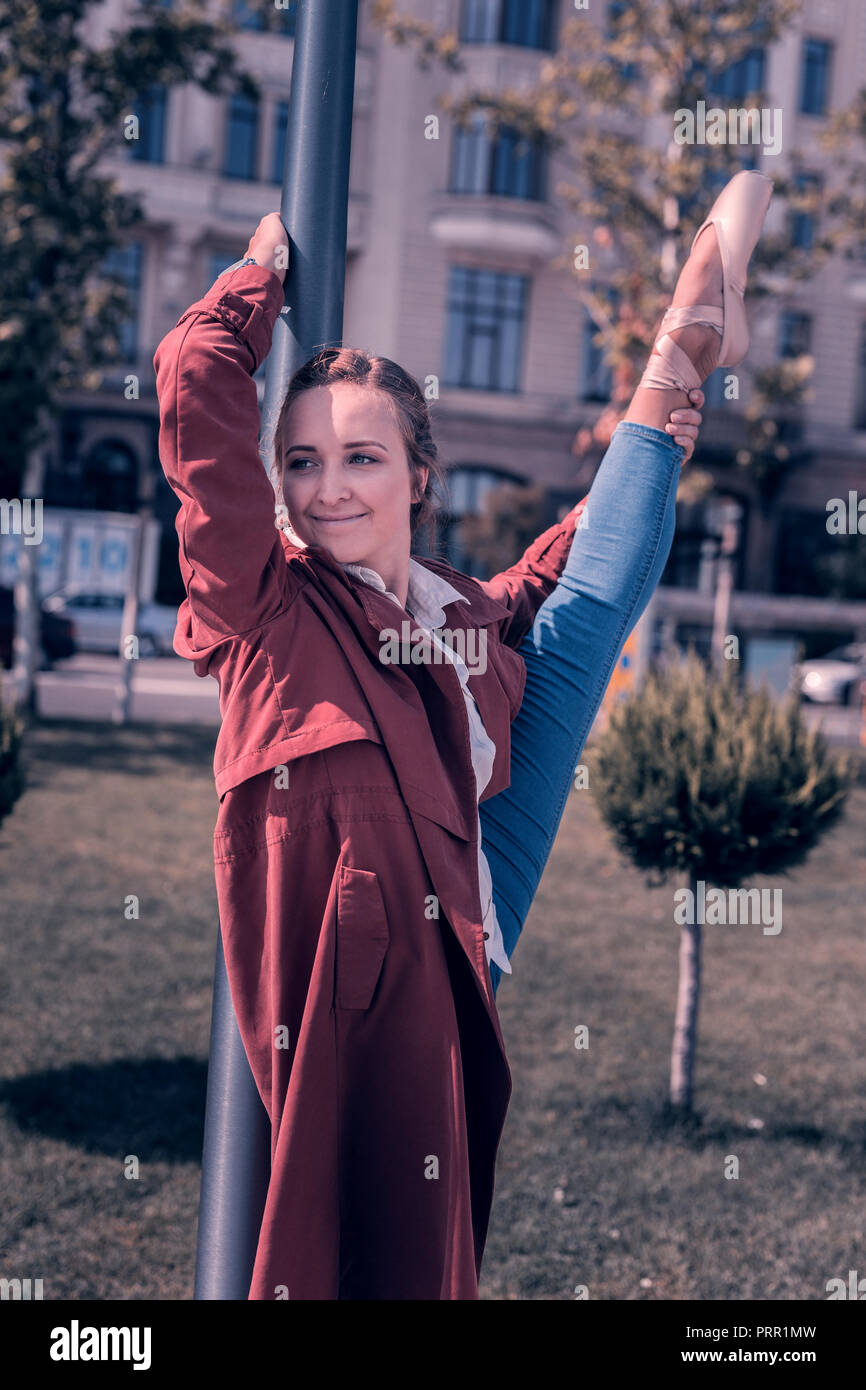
693 775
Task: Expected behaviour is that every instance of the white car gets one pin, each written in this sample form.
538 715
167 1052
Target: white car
98 617
834 679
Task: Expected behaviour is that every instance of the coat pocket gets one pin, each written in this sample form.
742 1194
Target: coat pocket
362 937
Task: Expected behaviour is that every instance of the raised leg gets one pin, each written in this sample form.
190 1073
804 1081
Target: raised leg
614 564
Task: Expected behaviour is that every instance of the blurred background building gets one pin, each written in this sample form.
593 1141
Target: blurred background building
451 242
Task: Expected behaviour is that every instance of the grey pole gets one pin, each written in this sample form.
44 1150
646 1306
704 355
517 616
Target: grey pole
314 210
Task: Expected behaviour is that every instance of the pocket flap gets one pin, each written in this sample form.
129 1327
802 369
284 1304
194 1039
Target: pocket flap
362 937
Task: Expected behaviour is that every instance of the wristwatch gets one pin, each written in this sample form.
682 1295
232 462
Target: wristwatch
236 265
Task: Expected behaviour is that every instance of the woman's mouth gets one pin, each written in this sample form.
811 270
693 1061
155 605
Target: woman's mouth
338 520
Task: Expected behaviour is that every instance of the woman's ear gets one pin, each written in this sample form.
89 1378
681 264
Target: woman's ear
424 473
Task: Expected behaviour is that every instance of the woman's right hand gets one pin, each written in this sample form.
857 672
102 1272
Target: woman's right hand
269 245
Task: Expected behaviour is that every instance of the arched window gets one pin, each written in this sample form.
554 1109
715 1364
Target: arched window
468 488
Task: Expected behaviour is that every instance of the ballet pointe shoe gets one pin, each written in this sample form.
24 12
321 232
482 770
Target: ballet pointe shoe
738 217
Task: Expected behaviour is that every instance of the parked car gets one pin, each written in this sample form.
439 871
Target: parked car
834 679
57 632
98 617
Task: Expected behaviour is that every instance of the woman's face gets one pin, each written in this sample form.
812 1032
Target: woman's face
346 479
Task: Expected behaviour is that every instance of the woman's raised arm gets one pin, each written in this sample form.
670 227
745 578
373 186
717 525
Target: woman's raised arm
231 554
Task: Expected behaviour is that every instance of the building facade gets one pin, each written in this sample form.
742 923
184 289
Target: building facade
459 255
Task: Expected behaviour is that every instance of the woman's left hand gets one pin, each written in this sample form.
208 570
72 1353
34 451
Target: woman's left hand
684 424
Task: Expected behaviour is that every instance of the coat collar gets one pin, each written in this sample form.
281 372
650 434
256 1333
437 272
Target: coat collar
428 592
432 584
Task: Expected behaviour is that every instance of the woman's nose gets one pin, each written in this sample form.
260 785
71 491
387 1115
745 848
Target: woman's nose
333 487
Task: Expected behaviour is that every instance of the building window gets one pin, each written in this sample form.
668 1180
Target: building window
484 334
509 165
596 377
528 23
802 224
281 123
124 262
859 422
242 138
815 84
739 79
795 333
150 110
265 14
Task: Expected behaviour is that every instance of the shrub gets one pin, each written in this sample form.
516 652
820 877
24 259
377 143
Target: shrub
693 774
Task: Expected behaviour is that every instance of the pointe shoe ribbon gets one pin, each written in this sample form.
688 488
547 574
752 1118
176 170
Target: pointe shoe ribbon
738 217
669 366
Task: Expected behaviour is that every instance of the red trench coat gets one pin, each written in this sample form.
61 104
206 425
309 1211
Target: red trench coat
347 821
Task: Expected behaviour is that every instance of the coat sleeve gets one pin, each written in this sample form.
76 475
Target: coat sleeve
231 554
524 586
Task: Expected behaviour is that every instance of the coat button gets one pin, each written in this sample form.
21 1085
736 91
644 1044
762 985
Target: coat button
486 935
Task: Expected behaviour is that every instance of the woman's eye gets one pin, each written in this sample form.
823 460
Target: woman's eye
299 463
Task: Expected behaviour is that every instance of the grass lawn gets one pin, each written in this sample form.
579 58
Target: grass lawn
104 1027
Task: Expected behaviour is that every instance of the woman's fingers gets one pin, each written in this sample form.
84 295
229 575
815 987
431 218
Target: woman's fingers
686 417
269 244
684 425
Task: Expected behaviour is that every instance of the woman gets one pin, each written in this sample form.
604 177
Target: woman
364 920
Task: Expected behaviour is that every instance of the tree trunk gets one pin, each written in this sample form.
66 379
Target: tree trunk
686 1021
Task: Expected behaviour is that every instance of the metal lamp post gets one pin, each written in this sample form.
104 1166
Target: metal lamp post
314 209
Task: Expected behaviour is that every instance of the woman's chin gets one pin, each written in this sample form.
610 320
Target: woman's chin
345 544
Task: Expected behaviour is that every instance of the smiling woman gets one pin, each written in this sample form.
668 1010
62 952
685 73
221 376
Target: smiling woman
368 903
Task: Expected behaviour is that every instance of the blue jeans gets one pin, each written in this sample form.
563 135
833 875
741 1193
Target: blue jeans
615 563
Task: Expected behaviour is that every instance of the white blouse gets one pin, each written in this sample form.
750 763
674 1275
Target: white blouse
428 593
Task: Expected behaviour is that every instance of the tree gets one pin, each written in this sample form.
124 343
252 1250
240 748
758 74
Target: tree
66 105
693 775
